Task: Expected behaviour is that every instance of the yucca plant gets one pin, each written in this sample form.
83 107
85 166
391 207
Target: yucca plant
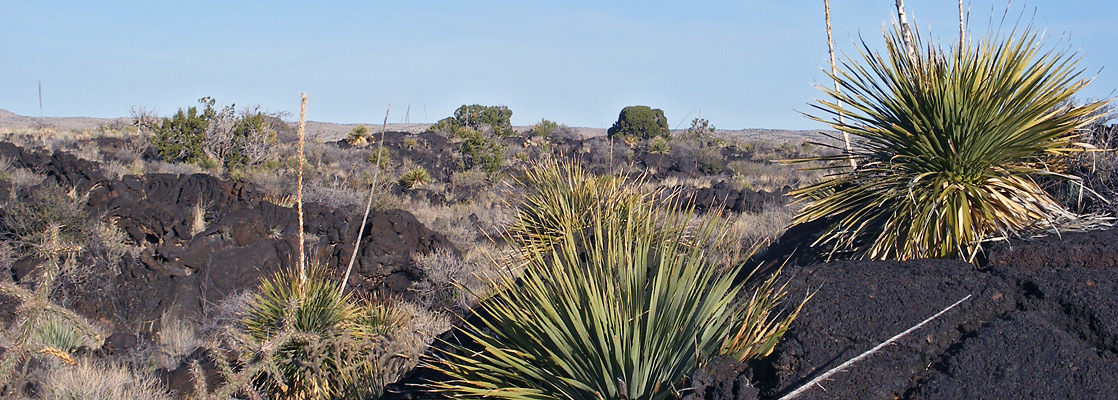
616 300
415 177
329 349
946 143
57 333
358 136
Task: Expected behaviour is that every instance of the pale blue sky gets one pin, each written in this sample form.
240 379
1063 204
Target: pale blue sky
744 64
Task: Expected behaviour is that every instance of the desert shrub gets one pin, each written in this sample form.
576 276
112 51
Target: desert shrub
1096 190
26 221
380 157
330 348
180 137
250 142
616 300
659 145
494 119
415 177
215 137
358 136
447 283
641 122
709 160
480 151
947 144
700 128
544 128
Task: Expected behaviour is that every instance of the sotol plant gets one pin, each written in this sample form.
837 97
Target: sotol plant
415 177
331 345
946 143
618 299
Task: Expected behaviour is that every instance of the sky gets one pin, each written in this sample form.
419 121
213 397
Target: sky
739 64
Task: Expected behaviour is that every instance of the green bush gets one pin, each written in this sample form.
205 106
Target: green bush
495 119
215 138
479 151
659 145
947 144
385 157
180 138
616 300
415 177
641 122
700 129
544 128
445 125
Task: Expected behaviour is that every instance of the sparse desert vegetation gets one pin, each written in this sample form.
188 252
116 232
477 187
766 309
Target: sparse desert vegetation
225 254
464 184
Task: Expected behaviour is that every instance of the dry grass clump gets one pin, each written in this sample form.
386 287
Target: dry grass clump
27 221
760 229
457 284
469 222
90 380
52 138
22 179
109 244
177 337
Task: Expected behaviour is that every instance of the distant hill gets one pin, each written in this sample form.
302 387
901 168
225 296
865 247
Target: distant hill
330 131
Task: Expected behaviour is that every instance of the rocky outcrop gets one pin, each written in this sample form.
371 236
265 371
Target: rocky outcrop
723 194
188 265
1041 323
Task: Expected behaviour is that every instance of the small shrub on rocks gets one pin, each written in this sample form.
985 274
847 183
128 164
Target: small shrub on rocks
415 177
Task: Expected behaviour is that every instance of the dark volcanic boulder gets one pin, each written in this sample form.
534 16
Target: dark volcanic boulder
1070 280
1024 356
1042 323
723 194
65 169
722 379
186 264
860 304
250 239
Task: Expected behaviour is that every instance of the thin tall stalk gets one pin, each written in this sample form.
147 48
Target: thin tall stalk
906 32
962 24
299 189
368 205
834 76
